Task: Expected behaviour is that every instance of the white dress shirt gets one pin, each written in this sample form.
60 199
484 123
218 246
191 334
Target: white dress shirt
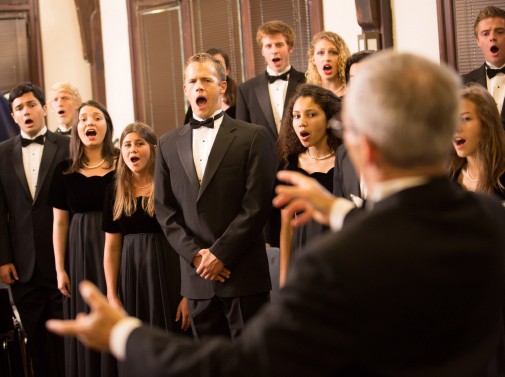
277 91
496 86
203 140
341 207
32 155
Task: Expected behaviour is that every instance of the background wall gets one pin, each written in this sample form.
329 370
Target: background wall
62 49
414 29
116 55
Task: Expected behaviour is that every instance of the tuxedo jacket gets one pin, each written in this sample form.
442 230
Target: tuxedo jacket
414 287
26 223
479 76
225 213
345 180
253 101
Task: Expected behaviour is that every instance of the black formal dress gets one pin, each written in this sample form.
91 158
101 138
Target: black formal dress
83 197
498 192
150 277
312 229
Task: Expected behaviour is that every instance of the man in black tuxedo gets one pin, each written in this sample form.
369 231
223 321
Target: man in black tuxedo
27 163
213 185
489 30
413 285
262 99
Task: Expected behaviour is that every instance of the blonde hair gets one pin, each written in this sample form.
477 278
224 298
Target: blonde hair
67 87
313 76
125 201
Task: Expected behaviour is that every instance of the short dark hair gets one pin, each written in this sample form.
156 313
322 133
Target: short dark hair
27 87
487 12
353 59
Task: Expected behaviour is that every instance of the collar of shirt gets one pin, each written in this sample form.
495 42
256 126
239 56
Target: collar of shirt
63 129
493 66
387 188
43 131
217 122
271 72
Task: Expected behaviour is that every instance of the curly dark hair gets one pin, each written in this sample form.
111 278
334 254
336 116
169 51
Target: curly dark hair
289 143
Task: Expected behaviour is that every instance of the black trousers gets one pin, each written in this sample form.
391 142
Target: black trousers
225 316
37 301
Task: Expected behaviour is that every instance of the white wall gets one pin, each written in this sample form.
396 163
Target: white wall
118 77
62 49
339 16
414 25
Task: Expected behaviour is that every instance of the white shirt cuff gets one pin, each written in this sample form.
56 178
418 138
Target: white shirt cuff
339 210
119 336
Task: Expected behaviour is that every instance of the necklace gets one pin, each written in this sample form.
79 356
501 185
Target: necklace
467 173
319 158
94 166
142 187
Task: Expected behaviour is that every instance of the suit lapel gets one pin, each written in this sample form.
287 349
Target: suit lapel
292 85
17 163
481 79
224 138
50 148
266 107
185 151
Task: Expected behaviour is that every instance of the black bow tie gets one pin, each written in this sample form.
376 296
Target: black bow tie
39 140
209 122
493 72
272 79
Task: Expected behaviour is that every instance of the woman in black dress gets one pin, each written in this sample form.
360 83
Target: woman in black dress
478 163
137 254
307 145
77 197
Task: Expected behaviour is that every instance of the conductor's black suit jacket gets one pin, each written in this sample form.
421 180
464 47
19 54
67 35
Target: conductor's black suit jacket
415 287
225 213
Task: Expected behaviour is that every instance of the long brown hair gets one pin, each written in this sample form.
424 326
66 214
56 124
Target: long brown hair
288 140
125 202
491 146
109 152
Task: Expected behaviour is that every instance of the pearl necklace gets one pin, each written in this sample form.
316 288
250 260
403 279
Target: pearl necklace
467 173
319 158
94 166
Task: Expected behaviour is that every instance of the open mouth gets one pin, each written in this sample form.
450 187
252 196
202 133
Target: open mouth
134 160
327 68
276 60
28 121
494 49
459 141
201 101
304 134
61 112
91 133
